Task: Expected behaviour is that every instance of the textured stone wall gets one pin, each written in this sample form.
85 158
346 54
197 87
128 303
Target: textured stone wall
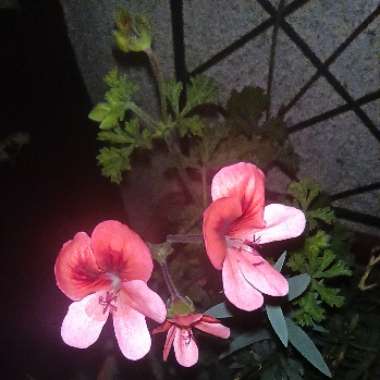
339 152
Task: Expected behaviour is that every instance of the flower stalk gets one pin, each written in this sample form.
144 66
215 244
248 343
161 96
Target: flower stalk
155 65
174 293
184 239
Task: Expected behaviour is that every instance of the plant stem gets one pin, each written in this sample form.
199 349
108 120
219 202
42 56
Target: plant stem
363 280
183 238
155 64
172 145
143 116
174 293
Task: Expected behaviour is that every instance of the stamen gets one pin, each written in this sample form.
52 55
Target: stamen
187 335
107 300
239 244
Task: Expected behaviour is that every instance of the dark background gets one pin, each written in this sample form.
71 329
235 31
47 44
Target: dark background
51 190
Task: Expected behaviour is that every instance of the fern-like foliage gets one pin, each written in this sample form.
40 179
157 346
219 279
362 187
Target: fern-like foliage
318 259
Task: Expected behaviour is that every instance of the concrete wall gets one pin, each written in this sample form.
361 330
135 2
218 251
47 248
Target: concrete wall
340 152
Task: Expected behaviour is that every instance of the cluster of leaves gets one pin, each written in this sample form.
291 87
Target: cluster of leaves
124 127
307 195
318 259
322 255
242 133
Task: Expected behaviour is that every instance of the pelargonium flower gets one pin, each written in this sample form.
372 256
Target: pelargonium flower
235 224
180 335
107 274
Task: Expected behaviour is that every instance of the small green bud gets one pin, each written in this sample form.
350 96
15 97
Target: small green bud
133 32
180 306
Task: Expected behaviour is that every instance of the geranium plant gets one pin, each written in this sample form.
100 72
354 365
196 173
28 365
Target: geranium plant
271 314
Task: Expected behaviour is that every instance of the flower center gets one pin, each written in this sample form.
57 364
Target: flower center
187 335
115 280
108 301
241 245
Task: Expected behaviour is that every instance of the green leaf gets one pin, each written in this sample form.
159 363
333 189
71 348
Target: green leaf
304 192
329 295
173 92
306 347
200 91
99 112
297 285
114 161
246 107
277 320
338 269
192 126
310 309
325 215
219 311
112 119
280 262
244 340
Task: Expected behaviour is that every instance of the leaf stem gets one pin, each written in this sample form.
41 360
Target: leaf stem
143 116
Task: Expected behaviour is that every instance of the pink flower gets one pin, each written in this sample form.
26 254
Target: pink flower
235 224
105 274
180 334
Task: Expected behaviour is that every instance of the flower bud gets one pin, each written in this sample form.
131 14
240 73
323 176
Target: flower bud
133 33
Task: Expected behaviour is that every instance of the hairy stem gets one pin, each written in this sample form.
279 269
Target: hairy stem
143 116
174 293
155 64
184 238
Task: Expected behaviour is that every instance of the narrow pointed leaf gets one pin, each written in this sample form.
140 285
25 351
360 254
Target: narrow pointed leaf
219 311
297 285
280 262
306 347
277 320
244 340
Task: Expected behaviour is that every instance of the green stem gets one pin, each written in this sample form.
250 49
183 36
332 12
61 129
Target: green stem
155 64
171 143
184 238
174 293
143 116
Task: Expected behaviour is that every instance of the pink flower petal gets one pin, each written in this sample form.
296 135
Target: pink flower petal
168 342
217 220
216 329
282 222
246 182
185 348
261 274
76 271
162 328
84 321
131 331
120 250
236 288
140 297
